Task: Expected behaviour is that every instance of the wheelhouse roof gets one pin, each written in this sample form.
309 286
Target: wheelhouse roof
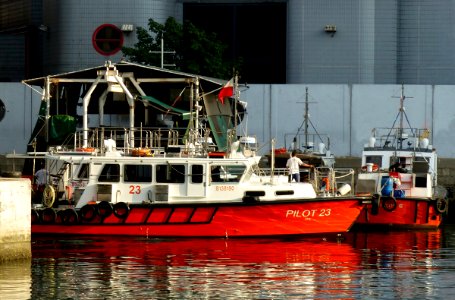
139 71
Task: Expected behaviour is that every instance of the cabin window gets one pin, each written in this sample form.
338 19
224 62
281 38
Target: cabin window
374 159
170 173
421 166
110 173
423 159
225 173
84 171
421 181
137 173
197 173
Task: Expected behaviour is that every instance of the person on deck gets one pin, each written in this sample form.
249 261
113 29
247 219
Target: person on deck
40 183
41 178
398 167
293 164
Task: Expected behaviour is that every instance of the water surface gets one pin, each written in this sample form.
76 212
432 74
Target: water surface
373 265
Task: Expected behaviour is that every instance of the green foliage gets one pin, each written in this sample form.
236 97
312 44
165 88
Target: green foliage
196 51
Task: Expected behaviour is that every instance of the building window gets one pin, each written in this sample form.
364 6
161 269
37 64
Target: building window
107 39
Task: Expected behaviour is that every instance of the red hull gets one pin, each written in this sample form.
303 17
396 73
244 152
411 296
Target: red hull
408 213
317 216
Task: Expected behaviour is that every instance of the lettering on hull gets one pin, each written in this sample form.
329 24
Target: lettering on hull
308 213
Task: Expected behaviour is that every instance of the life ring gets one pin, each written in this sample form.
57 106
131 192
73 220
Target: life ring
121 210
105 209
48 196
70 216
141 152
216 154
48 215
389 203
88 212
441 205
86 149
375 168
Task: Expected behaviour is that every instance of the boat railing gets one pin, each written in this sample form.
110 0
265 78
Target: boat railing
270 171
129 140
334 181
399 138
310 142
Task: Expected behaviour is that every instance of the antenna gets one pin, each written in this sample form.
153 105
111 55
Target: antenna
402 113
162 52
306 121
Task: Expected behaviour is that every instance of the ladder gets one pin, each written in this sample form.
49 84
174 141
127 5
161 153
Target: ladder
56 178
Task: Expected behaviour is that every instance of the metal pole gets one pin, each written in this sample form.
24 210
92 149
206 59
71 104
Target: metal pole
306 119
236 98
400 131
162 52
48 108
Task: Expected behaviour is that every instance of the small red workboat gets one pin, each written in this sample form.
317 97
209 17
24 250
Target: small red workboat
400 174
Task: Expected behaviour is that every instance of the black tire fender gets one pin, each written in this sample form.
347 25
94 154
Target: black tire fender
48 215
121 210
88 212
105 209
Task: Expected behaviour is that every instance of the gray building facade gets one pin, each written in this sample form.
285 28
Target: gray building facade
327 41
73 23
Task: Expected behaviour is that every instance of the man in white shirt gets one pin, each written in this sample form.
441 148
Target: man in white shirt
41 177
293 164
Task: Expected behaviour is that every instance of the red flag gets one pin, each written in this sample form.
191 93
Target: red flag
226 91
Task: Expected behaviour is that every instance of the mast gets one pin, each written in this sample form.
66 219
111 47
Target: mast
47 98
236 100
197 107
400 129
306 119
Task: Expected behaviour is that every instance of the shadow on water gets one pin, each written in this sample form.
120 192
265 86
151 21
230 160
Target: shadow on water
374 265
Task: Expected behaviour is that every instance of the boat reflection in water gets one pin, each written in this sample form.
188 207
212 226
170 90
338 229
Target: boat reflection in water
235 268
206 268
398 250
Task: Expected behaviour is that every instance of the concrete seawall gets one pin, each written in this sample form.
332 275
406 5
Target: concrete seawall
15 208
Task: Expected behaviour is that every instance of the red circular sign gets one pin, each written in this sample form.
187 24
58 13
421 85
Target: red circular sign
107 39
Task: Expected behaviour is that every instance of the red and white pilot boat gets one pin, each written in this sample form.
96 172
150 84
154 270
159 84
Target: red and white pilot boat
400 173
154 182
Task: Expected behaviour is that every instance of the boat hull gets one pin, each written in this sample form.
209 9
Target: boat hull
412 213
312 216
